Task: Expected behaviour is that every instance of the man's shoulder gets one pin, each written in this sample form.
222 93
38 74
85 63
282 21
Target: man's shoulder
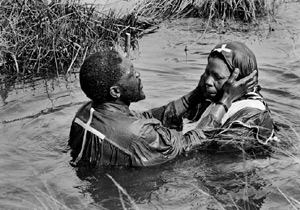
83 110
86 105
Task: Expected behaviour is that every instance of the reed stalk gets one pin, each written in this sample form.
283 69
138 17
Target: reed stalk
121 192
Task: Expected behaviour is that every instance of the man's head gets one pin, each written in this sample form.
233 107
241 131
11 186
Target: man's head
107 76
222 60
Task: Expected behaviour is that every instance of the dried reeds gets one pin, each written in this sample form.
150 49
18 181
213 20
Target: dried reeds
37 37
292 201
247 10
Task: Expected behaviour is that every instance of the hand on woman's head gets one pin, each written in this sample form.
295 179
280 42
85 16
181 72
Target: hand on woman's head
233 89
201 85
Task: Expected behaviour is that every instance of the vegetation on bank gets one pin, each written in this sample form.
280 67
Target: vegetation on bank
246 10
38 38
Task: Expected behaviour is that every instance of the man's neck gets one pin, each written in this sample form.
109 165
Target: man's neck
120 102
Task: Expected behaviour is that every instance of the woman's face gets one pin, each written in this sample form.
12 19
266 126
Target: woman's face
214 77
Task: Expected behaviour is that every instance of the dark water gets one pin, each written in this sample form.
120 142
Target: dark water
36 115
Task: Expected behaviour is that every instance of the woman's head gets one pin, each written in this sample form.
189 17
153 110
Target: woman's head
222 60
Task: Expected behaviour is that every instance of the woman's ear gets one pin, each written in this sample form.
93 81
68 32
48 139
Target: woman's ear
115 91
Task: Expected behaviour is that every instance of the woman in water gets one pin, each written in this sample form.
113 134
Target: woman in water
248 117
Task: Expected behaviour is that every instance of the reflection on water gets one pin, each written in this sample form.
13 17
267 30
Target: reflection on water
36 115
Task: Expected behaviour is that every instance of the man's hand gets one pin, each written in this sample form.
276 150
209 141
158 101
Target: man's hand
233 89
196 96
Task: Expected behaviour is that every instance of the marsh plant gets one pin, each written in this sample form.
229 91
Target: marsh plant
246 10
38 37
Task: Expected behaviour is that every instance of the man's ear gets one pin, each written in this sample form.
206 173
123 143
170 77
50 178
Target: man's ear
115 91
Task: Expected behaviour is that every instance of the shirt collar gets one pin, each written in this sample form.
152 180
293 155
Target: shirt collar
113 107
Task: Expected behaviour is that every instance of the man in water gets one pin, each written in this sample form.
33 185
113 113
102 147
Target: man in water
105 132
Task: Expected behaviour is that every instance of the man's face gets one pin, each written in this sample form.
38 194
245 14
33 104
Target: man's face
214 77
130 84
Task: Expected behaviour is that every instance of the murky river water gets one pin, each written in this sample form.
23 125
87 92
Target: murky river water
36 115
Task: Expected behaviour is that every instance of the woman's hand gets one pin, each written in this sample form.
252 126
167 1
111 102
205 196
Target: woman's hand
233 89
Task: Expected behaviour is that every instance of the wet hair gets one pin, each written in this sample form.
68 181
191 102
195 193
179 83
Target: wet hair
99 72
240 56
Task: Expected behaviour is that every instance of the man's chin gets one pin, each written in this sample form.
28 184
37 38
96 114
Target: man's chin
141 97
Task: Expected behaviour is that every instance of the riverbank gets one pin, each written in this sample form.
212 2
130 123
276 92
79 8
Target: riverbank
39 38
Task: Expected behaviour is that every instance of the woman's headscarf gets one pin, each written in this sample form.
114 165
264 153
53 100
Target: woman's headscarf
236 55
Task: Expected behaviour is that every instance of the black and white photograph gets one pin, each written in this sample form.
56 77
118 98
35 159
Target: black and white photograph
149 105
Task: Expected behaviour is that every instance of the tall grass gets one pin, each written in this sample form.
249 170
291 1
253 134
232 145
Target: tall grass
246 10
37 37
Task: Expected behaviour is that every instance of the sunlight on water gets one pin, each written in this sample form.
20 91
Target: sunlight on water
36 116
